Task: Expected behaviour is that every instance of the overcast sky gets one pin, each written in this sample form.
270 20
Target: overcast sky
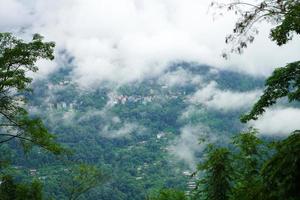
126 40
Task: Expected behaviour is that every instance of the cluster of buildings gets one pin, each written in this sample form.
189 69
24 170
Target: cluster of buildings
191 184
115 99
123 99
61 105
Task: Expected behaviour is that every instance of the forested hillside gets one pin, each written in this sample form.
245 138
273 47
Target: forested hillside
143 134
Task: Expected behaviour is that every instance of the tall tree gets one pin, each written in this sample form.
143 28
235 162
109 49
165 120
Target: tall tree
280 173
214 183
249 153
284 82
18 57
284 14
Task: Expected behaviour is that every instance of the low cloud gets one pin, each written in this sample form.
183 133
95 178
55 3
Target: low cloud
180 77
186 146
129 40
278 121
13 15
125 130
223 100
112 126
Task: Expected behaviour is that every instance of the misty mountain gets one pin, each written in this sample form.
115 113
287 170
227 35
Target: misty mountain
144 133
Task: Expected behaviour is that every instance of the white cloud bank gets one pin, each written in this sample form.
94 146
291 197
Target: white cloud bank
13 15
280 121
227 100
126 40
180 77
126 130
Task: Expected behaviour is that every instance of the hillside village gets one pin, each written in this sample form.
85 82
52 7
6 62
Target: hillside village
164 94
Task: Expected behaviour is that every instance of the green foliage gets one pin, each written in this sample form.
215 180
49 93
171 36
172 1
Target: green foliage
285 14
279 176
10 190
82 178
289 24
16 59
169 194
5 156
260 173
248 153
281 173
215 183
284 82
